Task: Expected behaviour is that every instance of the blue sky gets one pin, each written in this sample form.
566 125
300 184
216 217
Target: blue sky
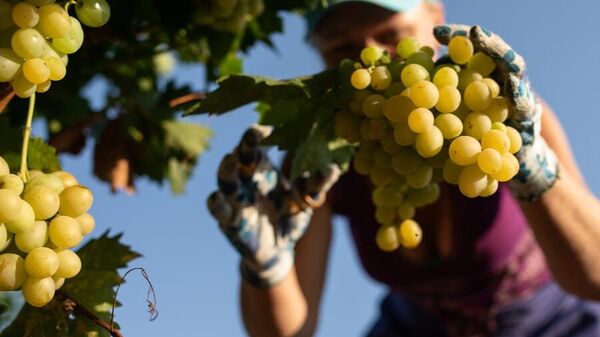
193 268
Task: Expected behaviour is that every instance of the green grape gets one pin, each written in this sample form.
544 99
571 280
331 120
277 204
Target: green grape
403 135
407 46
496 140
56 69
491 188
360 79
381 176
47 180
40 2
498 110
406 210
515 139
347 126
36 70
366 149
69 264
51 51
381 78
449 99
482 64
25 15
381 158
396 88
464 150
4 169
446 76
35 238
93 13
423 59
372 106
10 205
412 74
43 87
12 182
410 233
460 49
10 64
392 195
450 125
489 161
430 142
478 96
65 232
424 94
256 7
477 124
466 77
5 14
462 112
72 40
38 292
54 21
361 165
44 201
41 262
428 50
376 128
451 172
75 201
28 43
23 221
472 181
370 55
22 87
420 120
406 161
493 85
397 108
421 177
385 215
378 197
66 178
388 143
424 196
387 238
437 161
12 272
499 126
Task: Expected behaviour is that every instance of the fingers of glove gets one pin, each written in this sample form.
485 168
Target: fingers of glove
509 61
219 207
249 152
314 187
444 33
294 226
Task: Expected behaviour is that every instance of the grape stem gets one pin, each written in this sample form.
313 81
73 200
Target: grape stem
68 4
72 306
26 134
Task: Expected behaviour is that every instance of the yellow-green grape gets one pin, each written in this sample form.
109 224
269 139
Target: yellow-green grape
428 50
43 87
406 210
450 125
406 92
39 292
460 49
381 158
406 161
47 180
75 201
493 85
387 238
22 87
362 165
10 63
396 88
478 96
387 196
466 77
477 124
12 272
510 167
44 201
372 106
446 76
381 176
449 99
5 14
410 233
367 149
69 264
413 73
12 182
57 69
397 108
407 46
4 237
462 112
51 51
381 78
482 64
437 161
4 169
430 142
72 40
424 196
491 188
424 94
385 215
58 281
360 79
496 140
420 120
33 174
499 126
423 59
347 126
66 178
35 238
421 177
41 262
10 205
376 128
464 150
40 2
36 70
498 110
515 139
403 135
25 15
65 232
24 220
489 161
370 55
472 181
388 143
54 21
451 172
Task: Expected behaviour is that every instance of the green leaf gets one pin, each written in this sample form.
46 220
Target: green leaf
191 138
231 65
42 156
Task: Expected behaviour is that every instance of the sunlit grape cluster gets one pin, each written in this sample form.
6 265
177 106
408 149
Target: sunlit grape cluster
228 15
418 124
37 35
41 220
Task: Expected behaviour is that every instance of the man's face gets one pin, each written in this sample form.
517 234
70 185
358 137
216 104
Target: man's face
345 31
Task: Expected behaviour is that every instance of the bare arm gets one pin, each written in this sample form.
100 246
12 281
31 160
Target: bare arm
566 220
291 308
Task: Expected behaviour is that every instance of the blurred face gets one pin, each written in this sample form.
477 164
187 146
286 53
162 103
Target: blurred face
345 31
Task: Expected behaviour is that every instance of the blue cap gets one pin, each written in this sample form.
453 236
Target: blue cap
313 17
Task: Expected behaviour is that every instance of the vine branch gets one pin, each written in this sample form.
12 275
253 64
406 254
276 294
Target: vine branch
73 306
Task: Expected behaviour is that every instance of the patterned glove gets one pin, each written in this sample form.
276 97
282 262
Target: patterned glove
260 212
538 164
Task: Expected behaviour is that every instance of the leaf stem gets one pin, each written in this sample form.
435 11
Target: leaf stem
26 135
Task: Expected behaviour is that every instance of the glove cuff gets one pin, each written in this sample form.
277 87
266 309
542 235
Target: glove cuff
269 274
538 171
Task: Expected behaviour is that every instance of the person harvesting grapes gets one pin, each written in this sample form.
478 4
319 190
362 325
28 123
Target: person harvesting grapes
518 263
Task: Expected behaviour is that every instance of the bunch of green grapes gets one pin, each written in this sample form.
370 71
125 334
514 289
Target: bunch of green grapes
37 35
41 220
228 15
418 124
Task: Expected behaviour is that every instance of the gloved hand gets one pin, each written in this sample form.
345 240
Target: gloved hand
538 164
260 212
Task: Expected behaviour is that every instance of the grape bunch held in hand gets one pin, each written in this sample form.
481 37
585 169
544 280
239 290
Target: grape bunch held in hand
41 220
418 124
37 35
